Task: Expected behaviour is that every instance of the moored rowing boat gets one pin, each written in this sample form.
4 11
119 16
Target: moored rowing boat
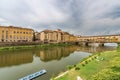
34 75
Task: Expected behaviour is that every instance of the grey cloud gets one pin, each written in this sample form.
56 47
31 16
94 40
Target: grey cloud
114 13
83 17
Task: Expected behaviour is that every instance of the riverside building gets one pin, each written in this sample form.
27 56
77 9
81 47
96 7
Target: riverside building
55 36
15 34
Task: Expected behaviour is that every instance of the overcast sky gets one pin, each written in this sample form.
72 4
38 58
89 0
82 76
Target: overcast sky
82 17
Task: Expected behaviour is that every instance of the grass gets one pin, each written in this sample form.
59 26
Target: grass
9 48
103 66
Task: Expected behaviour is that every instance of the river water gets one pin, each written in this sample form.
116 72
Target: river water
20 63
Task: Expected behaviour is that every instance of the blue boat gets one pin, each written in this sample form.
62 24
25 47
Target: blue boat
34 75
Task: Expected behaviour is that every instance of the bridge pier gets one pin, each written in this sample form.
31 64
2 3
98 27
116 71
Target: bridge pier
118 44
83 44
86 44
101 44
89 44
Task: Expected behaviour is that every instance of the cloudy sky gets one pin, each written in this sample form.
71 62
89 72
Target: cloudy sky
82 17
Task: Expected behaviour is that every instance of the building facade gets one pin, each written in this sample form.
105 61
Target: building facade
15 34
55 36
73 38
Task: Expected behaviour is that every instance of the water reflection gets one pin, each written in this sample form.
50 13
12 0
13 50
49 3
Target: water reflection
56 53
94 49
17 64
15 58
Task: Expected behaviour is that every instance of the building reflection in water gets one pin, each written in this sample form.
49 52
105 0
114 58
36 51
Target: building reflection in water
56 53
12 58
59 52
15 58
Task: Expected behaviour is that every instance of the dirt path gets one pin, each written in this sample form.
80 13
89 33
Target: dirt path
61 75
78 77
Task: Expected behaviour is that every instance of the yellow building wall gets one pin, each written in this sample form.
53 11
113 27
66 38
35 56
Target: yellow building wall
15 34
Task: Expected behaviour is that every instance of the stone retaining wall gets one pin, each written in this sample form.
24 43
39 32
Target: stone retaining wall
3 44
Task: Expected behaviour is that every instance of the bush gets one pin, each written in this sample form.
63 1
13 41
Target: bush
74 65
69 67
95 57
77 68
92 58
86 62
89 60
83 64
90 55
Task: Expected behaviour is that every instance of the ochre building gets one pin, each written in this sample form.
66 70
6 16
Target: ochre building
15 34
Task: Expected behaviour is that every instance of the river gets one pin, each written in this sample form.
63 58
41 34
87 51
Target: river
19 63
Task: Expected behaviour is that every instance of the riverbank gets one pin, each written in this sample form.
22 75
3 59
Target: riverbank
9 48
99 66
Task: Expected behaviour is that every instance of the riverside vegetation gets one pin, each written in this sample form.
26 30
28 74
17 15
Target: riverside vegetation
99 66
31 46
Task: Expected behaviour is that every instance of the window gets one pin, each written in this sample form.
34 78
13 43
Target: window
6 34
45 36
10 36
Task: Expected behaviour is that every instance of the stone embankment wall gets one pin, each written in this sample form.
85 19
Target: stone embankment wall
3 44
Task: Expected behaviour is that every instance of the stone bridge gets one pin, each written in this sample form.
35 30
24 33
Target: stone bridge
85 40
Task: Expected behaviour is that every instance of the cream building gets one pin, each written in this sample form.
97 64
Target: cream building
55 36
